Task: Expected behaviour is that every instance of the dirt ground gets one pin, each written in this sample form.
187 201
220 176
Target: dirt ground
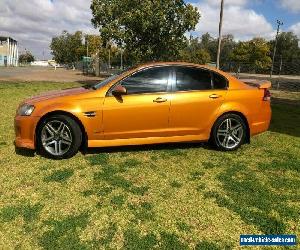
44 74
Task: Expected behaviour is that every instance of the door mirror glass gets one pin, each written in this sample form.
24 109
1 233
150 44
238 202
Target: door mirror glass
119 90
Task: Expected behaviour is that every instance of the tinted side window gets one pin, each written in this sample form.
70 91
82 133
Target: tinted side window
147 81
219 81
192 79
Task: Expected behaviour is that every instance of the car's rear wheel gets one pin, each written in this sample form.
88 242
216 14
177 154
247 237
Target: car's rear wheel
229 132
58 137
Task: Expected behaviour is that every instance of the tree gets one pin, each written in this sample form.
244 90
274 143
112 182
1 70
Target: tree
195 53
288 53
149 30
68 48
255 53
228 46
94 44
260 53
26 57
211 45
287 45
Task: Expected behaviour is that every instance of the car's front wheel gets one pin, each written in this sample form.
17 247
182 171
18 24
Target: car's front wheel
229 132
58 137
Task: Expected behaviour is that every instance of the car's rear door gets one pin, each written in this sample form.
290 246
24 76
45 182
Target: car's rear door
144 110
195 100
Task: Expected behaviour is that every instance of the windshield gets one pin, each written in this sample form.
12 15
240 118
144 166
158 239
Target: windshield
109 79
105 81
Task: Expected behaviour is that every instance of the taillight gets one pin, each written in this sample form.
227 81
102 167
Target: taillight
267 95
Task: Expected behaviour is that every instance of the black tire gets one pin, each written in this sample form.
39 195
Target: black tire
72 129
216 138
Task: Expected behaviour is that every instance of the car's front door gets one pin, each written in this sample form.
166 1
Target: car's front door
144 110
195 100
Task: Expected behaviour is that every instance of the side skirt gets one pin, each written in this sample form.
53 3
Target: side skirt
142 141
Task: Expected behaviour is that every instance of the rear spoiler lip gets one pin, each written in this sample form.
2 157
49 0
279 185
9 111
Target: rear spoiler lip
261 84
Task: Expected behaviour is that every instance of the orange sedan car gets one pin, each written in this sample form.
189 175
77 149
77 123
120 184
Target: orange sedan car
152 103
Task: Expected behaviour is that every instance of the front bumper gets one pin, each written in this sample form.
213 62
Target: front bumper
25 131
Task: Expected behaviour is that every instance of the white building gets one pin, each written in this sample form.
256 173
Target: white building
9 53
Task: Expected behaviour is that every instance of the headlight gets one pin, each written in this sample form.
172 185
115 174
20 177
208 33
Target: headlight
26 110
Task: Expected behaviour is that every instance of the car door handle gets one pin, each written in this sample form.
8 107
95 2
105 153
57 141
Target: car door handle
160 99
214 96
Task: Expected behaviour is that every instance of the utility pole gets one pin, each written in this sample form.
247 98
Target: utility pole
87 46
279 23
121 58
220 34
280 68
109 58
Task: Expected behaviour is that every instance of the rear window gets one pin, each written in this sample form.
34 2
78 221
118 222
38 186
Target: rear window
219 81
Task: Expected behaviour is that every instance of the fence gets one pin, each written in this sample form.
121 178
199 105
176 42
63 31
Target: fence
286 75
279 68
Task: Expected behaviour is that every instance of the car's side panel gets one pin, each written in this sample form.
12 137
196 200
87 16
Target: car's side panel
136 116
193 112
250 103
87 110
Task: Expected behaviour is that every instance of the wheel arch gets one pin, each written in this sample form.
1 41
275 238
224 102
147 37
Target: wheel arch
244 119
66 113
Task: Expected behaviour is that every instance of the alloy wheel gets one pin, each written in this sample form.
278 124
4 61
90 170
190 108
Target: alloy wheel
230 133
56 137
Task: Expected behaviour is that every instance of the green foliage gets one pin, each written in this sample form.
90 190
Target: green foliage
210 44
99 159
287 46
94 43
110 233
288 51
118 200
68 48
64 234
94 47
150 30
182 226
255 52
27 57
176 184
59 176
206 245
227 47
143 212
134 241
27 211
194 53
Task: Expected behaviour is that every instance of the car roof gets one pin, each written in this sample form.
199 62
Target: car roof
186 64
149 64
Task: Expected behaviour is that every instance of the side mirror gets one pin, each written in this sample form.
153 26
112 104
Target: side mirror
119 90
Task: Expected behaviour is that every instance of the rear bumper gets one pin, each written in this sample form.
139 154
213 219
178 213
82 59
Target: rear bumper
25 131
262 121
260 127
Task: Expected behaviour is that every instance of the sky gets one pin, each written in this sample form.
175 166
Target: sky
33 23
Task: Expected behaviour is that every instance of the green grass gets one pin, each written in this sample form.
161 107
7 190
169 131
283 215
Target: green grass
178 196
